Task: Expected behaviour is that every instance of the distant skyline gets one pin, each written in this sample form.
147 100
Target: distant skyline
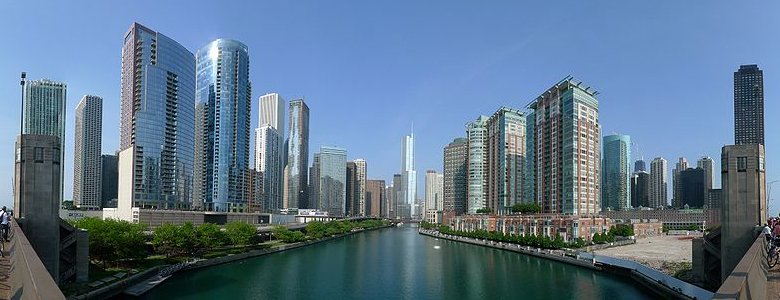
368 70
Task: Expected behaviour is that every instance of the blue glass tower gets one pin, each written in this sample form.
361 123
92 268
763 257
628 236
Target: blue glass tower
223 109
156 119
616 178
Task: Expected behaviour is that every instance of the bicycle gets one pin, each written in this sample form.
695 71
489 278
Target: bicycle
774 254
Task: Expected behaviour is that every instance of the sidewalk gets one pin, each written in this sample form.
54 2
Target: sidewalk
773 283
5 283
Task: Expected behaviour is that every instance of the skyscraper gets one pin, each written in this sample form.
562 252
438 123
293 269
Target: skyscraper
44 114
86 155
505 159
401 209
157 121
314 184
333 180
566 142
298 155
640 189
455 178
693 186
375 198
476 162
109 179
409 175
269 151
616 173
706 164
677 190
639 166
658 183
434 190
743 201
749 105
351 205
360 187
223 115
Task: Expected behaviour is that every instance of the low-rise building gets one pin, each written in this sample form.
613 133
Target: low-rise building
569 227
672 219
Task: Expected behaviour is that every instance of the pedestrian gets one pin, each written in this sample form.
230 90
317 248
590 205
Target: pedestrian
767 232
4 223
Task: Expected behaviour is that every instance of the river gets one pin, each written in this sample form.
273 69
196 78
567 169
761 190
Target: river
396 263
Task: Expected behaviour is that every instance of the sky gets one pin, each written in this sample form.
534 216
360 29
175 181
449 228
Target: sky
369 69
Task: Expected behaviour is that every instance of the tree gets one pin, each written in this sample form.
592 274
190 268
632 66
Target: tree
210 236
622 230
316 229
113 240
240 233
484 210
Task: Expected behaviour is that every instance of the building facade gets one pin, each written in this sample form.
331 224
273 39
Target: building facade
744 202
705 163
376 198
639 166
677 187
455 178
694 188
351 205
359 203
569 227
616 173
314 184
749 105
640 189
109 179
566 142
298 156
505 159
333 180
408 175
476 163
658 183
157 120
270 152
223 125
86 155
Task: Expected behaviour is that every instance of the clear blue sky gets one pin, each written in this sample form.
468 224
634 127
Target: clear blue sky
368 69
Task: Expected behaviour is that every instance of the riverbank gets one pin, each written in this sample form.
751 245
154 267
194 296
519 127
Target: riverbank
654 280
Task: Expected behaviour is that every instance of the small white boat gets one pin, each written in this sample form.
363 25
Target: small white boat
399 224
437 247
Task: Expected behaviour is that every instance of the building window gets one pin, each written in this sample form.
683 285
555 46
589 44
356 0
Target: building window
38 154
741 164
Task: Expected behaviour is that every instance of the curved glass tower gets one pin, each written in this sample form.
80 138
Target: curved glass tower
222 121
616 173
156 119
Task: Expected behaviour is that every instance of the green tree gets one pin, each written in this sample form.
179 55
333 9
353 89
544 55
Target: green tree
316 229
113 240
240 233
484 210
210 236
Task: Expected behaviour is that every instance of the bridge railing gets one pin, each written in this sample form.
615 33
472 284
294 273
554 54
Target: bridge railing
28 277
749 278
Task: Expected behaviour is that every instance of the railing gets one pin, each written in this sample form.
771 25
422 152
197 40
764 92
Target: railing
28 277
749 278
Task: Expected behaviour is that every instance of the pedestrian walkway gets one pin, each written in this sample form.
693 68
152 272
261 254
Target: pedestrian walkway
5 282
773 284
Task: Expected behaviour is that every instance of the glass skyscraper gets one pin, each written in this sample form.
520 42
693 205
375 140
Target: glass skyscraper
749 105
476 163
455 177
269 151
157 119
616 173
409 175
566 149
298 156
222 118
333 180
87 164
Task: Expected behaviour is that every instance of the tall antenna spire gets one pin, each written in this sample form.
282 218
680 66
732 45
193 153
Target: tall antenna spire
412 128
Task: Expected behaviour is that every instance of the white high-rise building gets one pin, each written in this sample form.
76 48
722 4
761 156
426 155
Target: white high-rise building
86 156
476 164
434 190
269 151
408 175
658 183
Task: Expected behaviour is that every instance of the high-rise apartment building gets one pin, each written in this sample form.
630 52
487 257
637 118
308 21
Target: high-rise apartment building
677 189
749 105
477 165
269 151
333 180
43 113
109 180
360 187
505 159
566 143
397 192
223 125
434 190
157 121
616 173
659 183
706 164
455 178
375 198
743 201
298 156
313 192
409 174
640 189
86 155
351 205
